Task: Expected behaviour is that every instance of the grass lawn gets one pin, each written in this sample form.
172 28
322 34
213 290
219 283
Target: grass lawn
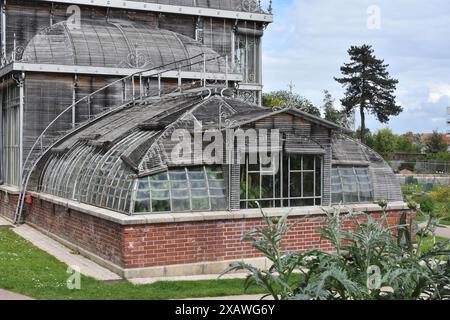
428 243
30 271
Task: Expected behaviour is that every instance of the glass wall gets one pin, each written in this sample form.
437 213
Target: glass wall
11 135
182 190
351 185
296 183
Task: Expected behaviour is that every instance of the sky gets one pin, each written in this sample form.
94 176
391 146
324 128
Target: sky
309 39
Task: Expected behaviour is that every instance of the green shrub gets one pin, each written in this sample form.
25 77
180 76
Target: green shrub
440 193
426 204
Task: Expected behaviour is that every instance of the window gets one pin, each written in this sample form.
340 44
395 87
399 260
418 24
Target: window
182 190
247 57
351 185
297 183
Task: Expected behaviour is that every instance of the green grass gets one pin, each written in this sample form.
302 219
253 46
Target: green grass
30 271
428 243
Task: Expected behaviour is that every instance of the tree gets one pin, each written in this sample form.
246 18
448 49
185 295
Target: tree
333 114
436 143
406 144
368 134
283 98
384 141
368 86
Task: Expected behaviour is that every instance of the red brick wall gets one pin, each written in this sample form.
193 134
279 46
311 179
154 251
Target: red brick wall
180 243
8 204
166 244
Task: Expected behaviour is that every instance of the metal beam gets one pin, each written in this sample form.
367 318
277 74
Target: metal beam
166 8
121 72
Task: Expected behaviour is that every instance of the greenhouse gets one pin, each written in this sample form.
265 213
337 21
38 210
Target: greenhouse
123 163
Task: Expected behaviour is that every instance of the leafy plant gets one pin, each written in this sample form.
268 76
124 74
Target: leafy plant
371 261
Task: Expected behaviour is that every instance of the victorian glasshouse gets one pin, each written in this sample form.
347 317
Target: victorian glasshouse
96 97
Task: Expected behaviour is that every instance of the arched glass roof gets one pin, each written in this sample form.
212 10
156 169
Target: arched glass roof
117 44
122 161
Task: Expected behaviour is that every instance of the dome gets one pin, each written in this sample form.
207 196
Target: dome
117 44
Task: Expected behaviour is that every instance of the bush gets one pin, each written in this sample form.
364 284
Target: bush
426 204
440 193
369 262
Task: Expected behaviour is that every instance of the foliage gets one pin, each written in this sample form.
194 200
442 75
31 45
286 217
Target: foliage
440 156
282 98
333 114
368 137
384 141
426 203
369 262
369 86
440 193
30 271
436 143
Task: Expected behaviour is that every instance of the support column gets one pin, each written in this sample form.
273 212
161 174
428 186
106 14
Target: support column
21 124
3 29
1 136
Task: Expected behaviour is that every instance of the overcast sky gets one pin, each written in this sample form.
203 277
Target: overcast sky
309 39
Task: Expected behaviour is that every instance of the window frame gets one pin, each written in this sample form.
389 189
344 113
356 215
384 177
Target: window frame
284 195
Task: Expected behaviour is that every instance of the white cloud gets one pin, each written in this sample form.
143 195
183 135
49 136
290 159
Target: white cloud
438 91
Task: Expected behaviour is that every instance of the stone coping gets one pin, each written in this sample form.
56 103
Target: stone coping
9 189
126 220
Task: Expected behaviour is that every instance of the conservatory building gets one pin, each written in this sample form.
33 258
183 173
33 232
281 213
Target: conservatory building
137 136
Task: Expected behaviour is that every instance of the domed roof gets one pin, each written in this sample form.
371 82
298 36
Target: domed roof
116 44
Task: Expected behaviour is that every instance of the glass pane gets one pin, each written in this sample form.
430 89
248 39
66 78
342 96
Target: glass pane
296 185
318 184
302 203
296 162
243 183
308 184
196 174
308 162
200 203
253 186
142 206
218 203
181 204
267 187
161 205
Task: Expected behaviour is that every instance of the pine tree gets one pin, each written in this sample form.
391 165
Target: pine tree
369 87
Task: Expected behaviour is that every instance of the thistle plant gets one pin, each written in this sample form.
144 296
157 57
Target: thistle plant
371 261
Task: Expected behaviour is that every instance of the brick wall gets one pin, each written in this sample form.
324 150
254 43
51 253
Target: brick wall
166 244
181 243
8 204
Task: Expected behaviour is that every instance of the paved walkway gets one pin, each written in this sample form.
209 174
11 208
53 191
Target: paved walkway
64 254
443 232
188 278
4 223
8 295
